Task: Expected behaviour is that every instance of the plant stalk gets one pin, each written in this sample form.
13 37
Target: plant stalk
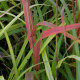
56 38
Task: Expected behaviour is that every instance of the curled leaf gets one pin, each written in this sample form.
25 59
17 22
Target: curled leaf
61 61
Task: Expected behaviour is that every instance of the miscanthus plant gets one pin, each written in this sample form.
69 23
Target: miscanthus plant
39 39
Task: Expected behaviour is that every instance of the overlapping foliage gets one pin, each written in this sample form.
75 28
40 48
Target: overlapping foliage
40 32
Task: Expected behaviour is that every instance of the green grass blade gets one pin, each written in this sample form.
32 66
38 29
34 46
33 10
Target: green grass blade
78 2
47 66
76 47
11 52
19 56
9 25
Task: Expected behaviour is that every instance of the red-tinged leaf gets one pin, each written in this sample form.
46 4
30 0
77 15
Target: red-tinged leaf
62 19
76 40
50 25
57 30
36 55
29 26
45 23
34 31
72 37
70 46
27 19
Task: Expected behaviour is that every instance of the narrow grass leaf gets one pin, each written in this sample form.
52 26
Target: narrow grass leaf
47 66
11 52
57 30
29 27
